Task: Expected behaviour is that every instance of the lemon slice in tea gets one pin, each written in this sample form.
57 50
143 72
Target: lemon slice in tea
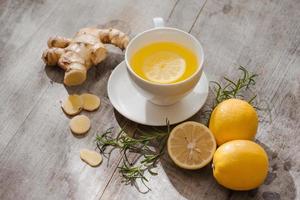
164 67
191 145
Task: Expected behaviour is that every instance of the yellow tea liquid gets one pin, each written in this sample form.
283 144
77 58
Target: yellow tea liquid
164 62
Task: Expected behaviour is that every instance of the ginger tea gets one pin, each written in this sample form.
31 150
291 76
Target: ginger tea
164 62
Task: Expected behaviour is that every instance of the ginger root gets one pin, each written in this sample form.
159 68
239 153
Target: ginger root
76 55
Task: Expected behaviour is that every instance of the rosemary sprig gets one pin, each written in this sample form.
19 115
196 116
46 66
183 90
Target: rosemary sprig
146 158
228 88
235 89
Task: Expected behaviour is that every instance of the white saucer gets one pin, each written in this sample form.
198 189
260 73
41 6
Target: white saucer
130 103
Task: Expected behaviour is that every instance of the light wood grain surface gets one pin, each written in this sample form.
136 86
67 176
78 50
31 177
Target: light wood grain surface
39 157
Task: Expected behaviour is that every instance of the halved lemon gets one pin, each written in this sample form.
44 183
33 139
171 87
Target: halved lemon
191 145
164 67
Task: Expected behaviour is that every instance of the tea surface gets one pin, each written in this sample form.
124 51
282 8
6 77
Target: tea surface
164 62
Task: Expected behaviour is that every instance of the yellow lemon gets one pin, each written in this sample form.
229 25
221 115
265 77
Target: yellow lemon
240 165
233 119
191 145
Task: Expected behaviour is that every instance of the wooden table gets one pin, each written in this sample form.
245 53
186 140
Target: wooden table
39 157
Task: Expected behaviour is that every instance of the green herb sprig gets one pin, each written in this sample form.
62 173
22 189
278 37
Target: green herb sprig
234 89
140 144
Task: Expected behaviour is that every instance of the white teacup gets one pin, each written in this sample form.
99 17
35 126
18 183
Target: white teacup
164 94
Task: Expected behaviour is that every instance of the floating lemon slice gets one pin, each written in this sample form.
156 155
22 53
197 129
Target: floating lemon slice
164 67
191 145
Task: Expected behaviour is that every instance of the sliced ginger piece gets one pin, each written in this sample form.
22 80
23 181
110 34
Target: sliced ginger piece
72 105
90 102
92 158
80 124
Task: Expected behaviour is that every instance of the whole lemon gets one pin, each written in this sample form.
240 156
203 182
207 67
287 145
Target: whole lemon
233 119
240 165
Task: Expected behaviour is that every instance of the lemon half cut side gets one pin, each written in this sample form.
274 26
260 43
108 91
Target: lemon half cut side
191 145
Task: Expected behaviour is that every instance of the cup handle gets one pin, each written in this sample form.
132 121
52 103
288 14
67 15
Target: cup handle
158 22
